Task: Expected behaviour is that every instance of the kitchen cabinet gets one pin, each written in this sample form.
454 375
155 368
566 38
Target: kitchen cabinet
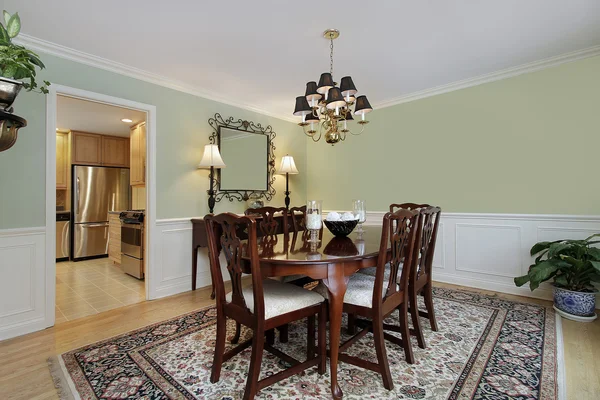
137 148
114 238
115 151
62 160
93 149
86 148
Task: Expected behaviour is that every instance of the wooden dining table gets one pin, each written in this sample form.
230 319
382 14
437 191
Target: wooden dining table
332 261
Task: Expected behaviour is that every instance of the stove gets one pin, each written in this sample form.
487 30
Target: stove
132 243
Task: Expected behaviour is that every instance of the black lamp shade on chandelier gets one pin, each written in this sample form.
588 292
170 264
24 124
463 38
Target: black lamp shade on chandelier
335 99
347 87
311 118
311 93
302 107
362 106
325 83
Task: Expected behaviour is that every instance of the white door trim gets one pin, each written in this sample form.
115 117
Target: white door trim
50 269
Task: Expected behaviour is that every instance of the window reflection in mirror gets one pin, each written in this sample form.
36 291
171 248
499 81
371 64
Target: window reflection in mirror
245 155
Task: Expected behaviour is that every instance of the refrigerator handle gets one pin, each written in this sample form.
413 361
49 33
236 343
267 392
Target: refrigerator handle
65 238
77 196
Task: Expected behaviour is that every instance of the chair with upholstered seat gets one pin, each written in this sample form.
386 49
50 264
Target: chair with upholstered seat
421 282
424 252
263 306
375 298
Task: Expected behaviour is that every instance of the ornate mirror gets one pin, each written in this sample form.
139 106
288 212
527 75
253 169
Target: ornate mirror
249 153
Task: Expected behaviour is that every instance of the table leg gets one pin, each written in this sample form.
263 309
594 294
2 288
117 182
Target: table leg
194 266
336 283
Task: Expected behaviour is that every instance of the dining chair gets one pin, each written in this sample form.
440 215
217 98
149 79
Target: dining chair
421 282
424 252
375 298
264 305
269 225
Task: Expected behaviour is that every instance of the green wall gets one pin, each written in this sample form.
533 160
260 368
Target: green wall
182 131
527 144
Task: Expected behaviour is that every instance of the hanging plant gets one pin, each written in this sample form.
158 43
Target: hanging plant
17 62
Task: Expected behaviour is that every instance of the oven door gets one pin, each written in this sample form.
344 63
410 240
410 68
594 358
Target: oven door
131 240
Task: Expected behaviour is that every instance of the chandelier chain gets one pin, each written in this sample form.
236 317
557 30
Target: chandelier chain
331 55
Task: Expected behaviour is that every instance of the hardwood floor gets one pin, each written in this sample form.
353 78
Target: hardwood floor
24 373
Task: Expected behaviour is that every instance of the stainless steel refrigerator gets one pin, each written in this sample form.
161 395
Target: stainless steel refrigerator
96 191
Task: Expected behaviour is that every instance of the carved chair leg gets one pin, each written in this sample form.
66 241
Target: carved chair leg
428 295
238 329
283 333
323 339
403 311
310 337
270 336
258 343
414 313
351 324
219 348
382 360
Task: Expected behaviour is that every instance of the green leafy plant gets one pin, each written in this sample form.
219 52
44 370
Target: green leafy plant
18 62
573 264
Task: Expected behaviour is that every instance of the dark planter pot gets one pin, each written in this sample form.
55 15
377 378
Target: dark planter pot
9 89
577 304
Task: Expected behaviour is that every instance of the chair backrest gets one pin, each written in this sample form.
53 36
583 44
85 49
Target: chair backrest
268 225
407 206
298 216
223 235
429 222
424 250
399 233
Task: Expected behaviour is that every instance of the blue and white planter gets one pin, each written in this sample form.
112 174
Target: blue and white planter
580 305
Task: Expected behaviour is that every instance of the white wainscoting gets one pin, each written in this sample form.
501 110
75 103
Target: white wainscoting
174 258
22 281
487 251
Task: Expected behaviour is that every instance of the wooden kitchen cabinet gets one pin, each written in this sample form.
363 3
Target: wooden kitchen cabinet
102 150
137 149
62 160
86 148
114 238
115 151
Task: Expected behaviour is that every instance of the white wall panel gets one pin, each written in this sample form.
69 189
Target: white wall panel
22 281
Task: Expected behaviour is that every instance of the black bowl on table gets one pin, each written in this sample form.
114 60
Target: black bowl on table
341 228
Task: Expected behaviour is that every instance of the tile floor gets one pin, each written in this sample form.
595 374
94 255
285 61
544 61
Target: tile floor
90 287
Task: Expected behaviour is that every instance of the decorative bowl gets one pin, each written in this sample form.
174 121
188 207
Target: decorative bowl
341 228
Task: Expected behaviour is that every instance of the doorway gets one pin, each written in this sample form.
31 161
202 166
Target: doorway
100 149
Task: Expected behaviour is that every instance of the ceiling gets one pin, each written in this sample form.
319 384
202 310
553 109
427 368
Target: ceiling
260 54
88 116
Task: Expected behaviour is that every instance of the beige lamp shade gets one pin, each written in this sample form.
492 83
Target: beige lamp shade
211 157
288 166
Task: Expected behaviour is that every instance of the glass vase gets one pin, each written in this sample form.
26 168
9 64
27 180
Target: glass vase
314 219
360 212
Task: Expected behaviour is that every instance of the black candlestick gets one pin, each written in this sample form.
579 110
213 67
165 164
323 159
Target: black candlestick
211 192
287 191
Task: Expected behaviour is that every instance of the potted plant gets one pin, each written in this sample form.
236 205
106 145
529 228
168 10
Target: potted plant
16 64
573 265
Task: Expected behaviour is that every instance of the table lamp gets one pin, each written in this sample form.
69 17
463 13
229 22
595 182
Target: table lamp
287 167
211 159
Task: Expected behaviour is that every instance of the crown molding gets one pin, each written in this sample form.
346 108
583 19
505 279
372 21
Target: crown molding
136 73
492 77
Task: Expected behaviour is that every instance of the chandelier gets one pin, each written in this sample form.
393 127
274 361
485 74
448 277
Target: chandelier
326 109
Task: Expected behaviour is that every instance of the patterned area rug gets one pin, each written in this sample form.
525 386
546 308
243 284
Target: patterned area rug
487 348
